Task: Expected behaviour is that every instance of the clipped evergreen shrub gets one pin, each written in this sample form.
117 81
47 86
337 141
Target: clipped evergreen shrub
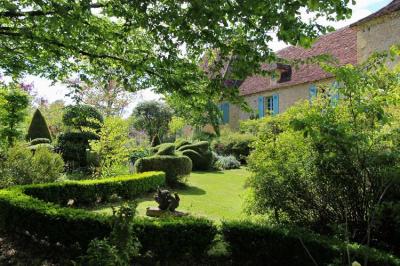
82 116
40 141
258 244
34 208
73 146
41 145
166 149
38 127
174 238
181 143
199 153
175 167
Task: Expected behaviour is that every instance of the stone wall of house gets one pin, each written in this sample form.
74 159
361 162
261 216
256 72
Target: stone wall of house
377 35
288 96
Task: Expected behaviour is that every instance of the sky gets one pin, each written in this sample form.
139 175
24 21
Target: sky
45 89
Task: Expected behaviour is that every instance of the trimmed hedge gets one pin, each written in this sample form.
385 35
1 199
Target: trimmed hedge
173 166
73 146
256 244
166 149
24 208
163 239
89 191
199 153
175 237
236 144
40 141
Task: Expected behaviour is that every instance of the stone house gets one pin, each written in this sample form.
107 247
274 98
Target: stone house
349 45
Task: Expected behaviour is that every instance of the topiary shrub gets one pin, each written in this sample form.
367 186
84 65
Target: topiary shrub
199 153
82 116
175 167
166 149
41 145
73 146
181 143
40 141
38 127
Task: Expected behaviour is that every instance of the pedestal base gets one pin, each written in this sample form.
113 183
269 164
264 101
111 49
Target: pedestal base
156 212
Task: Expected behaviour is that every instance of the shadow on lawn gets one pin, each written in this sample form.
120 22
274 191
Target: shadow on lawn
191 190
217 172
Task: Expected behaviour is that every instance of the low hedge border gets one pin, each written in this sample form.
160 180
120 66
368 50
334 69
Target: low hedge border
258 244
89 191
30 209
34 208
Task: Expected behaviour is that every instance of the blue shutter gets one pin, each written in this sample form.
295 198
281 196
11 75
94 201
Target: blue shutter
312 92
275 104
225 110
261 106
335 95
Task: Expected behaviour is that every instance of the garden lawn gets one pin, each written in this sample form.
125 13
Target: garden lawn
216 195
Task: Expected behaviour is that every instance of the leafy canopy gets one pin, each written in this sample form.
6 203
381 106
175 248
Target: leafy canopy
152 43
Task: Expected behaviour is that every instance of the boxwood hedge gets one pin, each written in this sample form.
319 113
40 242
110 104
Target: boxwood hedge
259 244
37 209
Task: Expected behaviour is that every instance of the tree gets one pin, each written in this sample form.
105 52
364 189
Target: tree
113 146
82 117
14 102
331 164
152 117
38 127
141 42
108 97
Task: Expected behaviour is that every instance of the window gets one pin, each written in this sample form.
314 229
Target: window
286 73
269 105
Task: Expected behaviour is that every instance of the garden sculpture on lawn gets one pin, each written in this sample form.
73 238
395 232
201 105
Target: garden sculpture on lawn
167 204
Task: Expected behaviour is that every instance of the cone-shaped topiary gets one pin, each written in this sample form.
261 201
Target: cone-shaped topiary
38 127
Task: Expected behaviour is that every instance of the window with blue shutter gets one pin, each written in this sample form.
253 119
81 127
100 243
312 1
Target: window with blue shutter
275 104
312 92
334 93
224 107
261 111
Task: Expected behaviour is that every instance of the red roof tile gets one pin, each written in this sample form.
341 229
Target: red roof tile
341 44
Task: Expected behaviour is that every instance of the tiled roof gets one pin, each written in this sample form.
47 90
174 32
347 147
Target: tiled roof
390 8
341 44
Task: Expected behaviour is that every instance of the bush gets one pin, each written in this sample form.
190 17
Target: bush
46 146
38 127
175 167
174 238
29 208
258 244
73 146
226 162
199 153
166 149
181 143
234 143
80 117
90 191
40 141
21 166
327 165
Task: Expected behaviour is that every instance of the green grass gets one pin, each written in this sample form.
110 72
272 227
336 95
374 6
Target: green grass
216 195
